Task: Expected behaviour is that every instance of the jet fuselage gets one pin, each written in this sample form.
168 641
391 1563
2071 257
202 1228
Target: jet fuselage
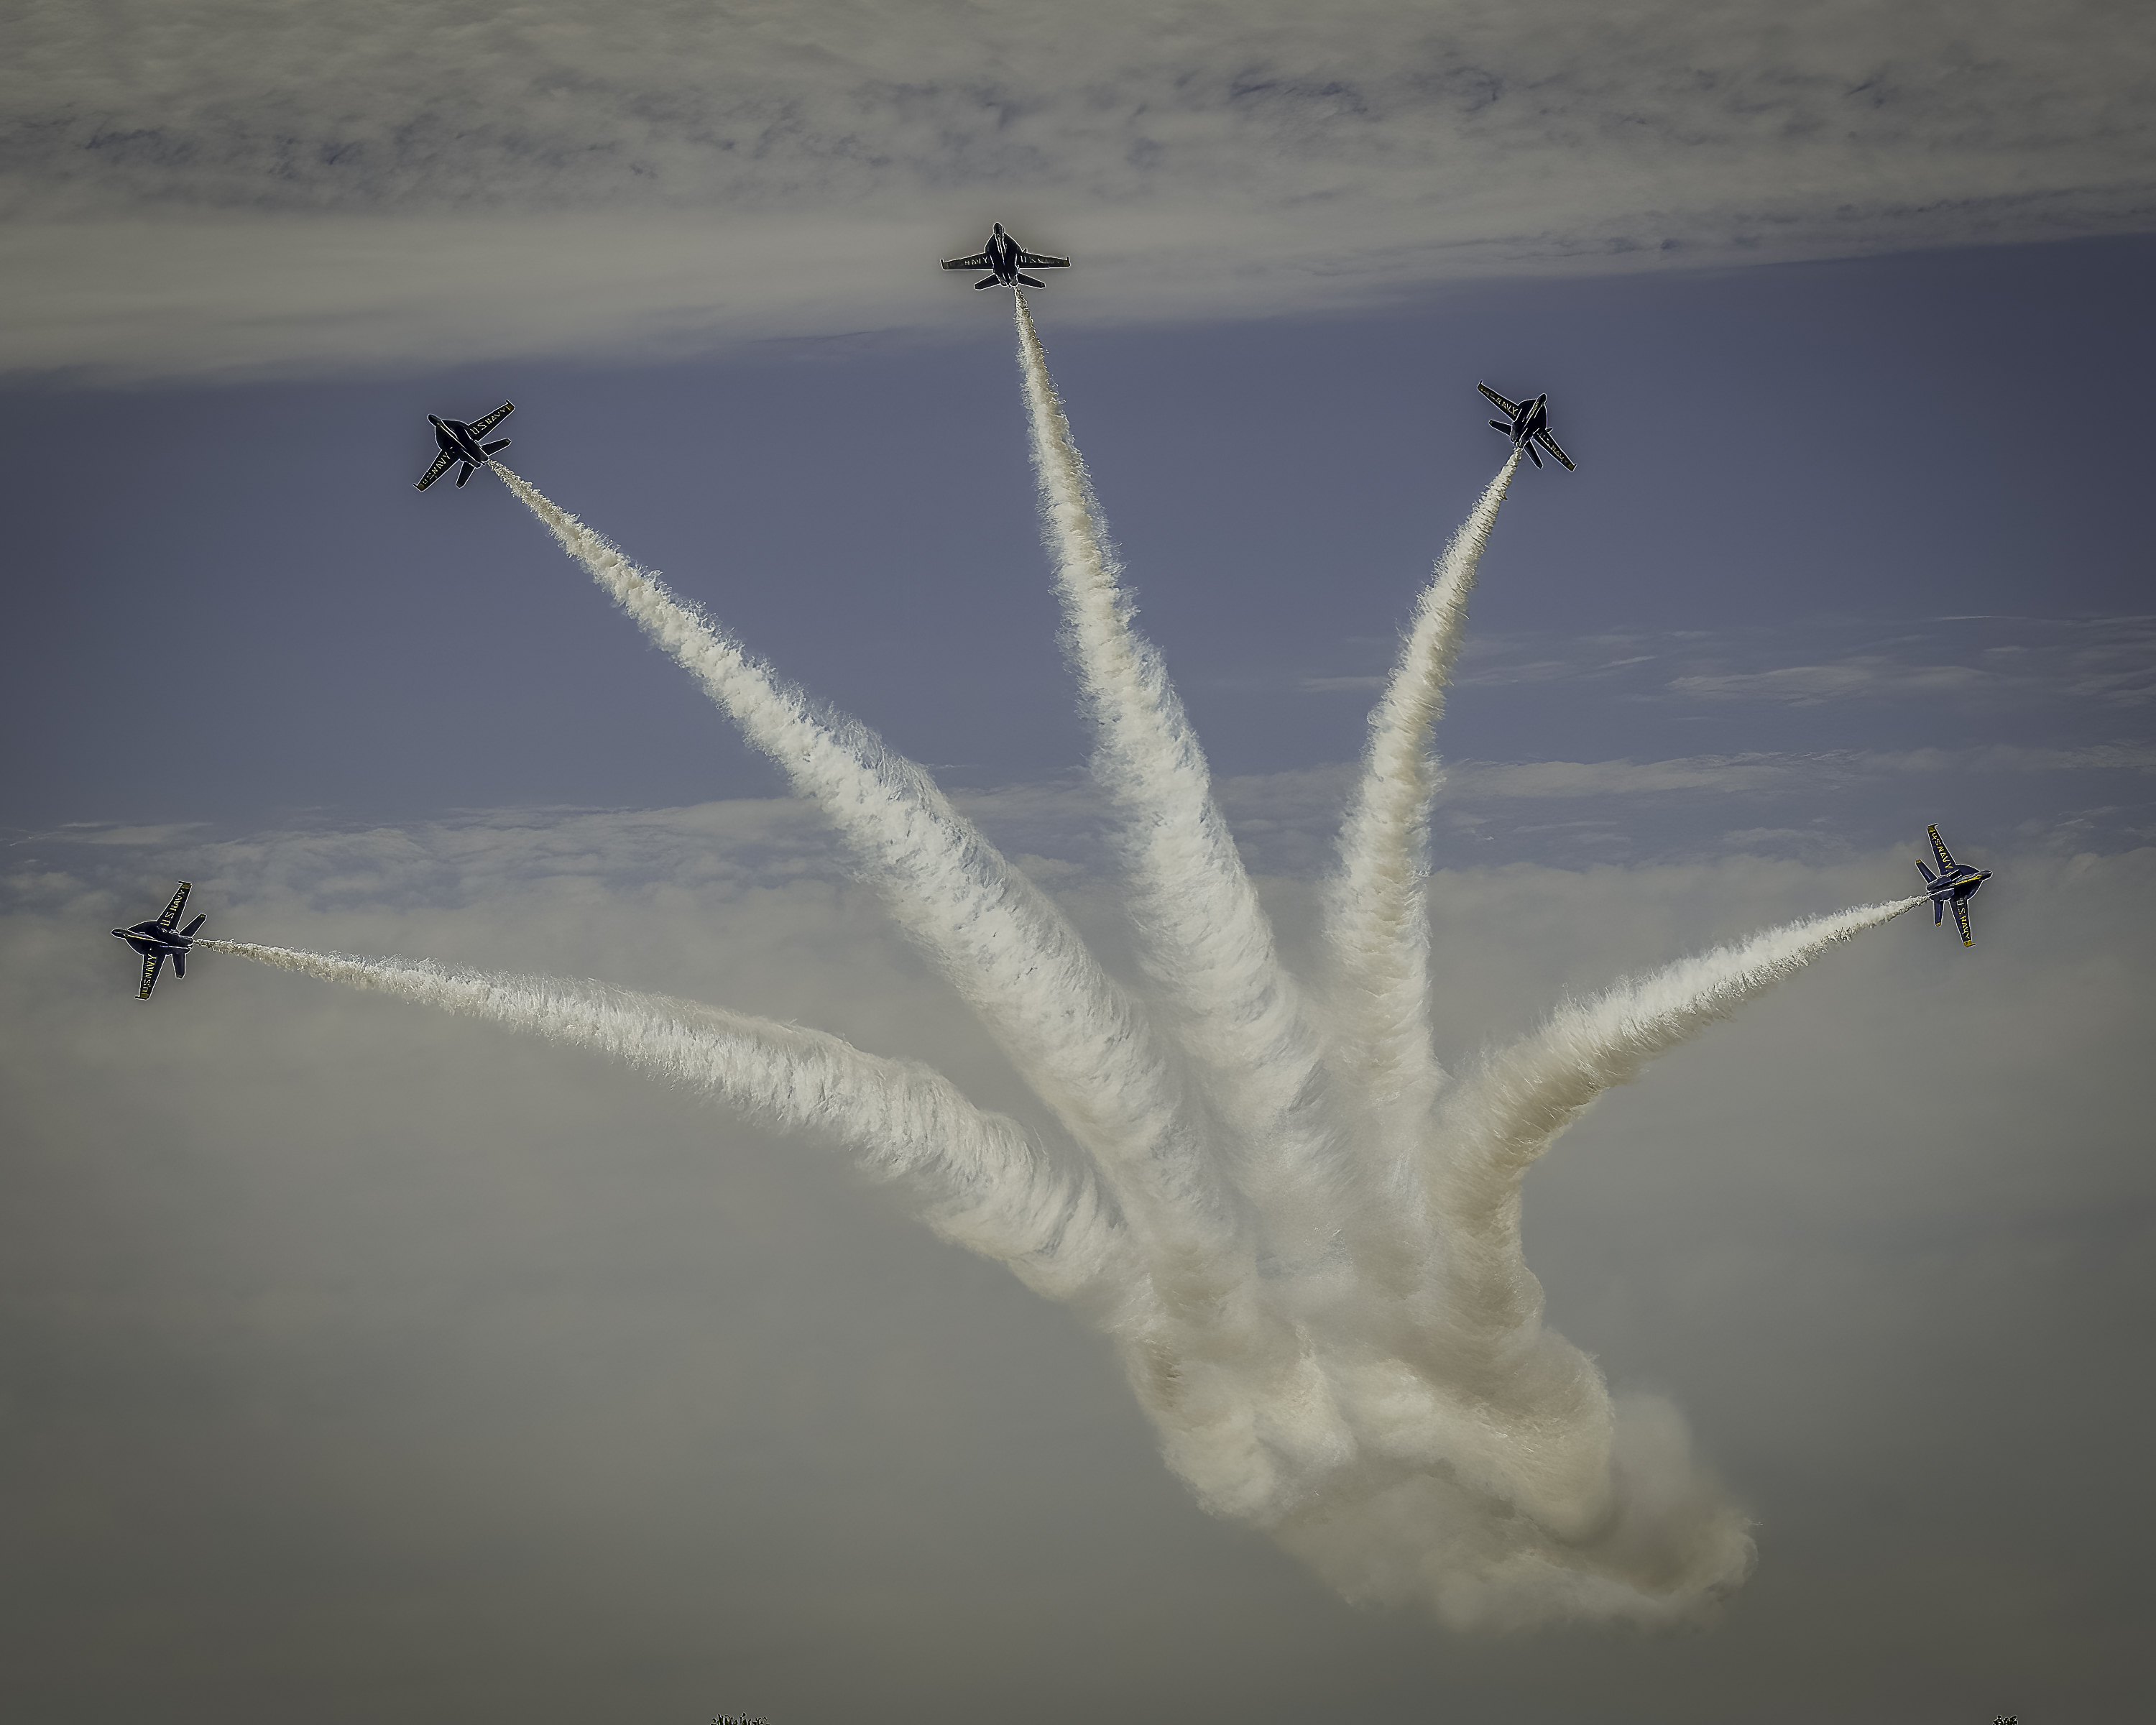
1959 882
152 941
1003 257
456 439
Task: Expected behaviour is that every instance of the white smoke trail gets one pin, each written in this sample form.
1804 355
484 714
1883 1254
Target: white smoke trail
977 1178
1077 1038
1205 937
1447 1449
1377 920
1443 1444
1495 1124
1390 1407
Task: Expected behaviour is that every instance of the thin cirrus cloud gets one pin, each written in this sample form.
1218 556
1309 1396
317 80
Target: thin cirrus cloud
1808 684
2115 670
2106 661
644 861
192 188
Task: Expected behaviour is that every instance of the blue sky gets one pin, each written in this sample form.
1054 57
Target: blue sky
359 1363
1830 507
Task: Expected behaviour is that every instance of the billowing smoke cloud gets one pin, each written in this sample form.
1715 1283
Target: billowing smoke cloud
1302 1235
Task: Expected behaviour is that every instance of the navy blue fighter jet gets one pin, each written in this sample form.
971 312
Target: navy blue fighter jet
1004 258
158 940
1953 885
461 442
1529 426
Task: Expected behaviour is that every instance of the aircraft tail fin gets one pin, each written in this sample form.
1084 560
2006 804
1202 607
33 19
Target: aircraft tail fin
1928 875
179 964
1503 425
498 443
985 281
188 932
464 472
1938 911
1031 281
1531 456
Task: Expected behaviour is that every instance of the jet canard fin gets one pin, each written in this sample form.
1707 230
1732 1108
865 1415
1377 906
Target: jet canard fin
179 902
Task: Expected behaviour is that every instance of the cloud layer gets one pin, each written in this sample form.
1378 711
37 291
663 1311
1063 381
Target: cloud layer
315 1309
201 186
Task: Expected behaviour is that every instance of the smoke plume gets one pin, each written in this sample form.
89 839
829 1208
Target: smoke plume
977 1178
1299 1232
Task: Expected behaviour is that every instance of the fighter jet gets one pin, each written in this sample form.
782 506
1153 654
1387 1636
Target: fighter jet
1529 426
461 442
1004 258
1953 885
158 940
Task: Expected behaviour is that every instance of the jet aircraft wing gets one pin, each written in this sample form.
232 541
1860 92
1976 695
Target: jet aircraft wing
979 260
179 902
152 963
479 428
1961 916
1504 406
1939 850
1035 260
1549 443
440 467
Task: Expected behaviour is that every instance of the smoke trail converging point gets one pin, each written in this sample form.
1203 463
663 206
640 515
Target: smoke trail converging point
1303 1241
